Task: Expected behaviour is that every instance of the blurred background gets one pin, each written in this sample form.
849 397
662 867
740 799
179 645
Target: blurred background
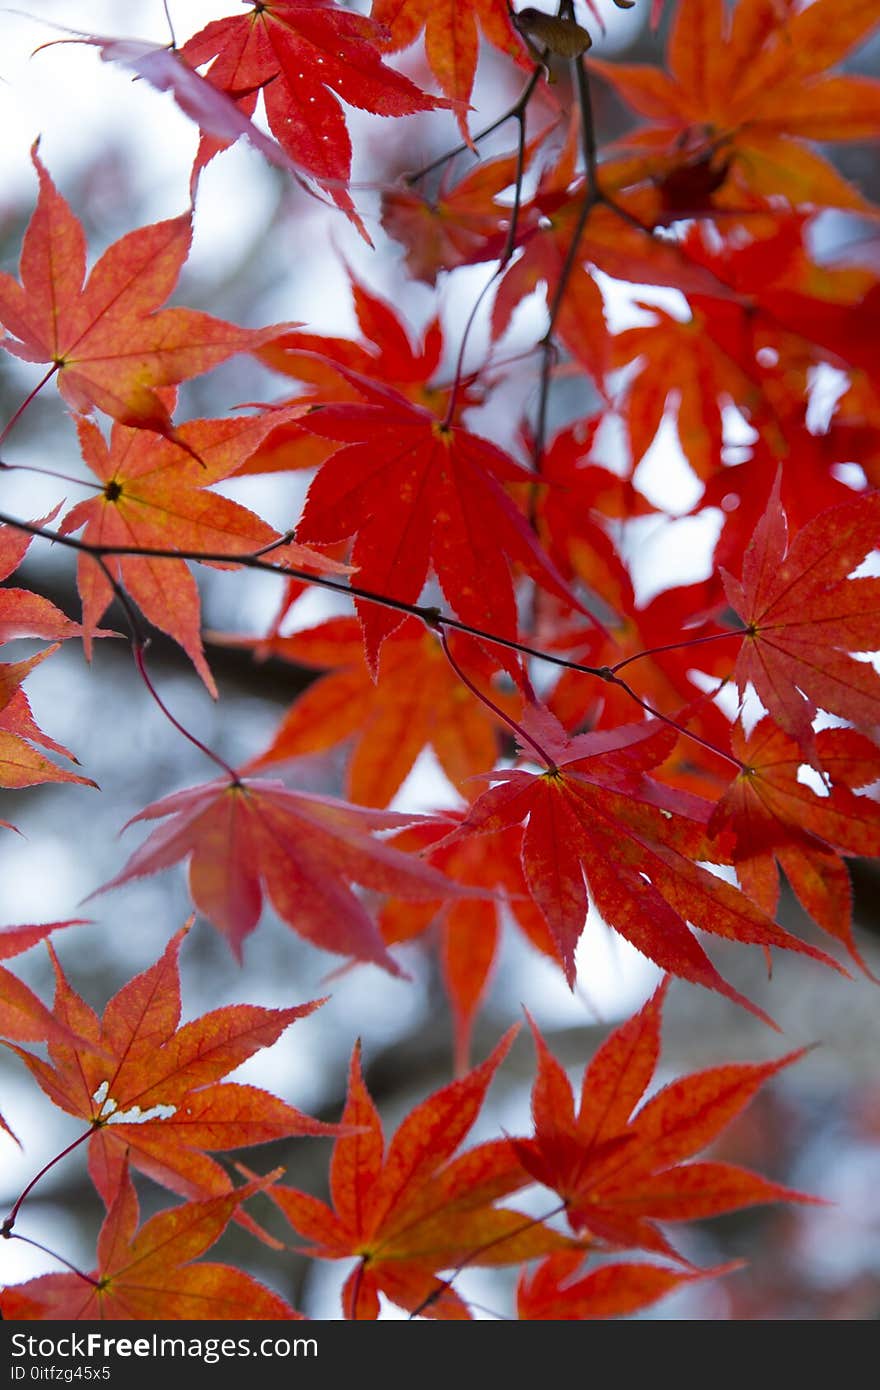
262 253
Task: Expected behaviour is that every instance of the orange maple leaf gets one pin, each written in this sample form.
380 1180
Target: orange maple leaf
23 614
109 342
620 1173
457 225
154 496
451 39
412 1209
467 931
151 1089
23 1015
552 1293
744 90
21 764
417 702
149 1273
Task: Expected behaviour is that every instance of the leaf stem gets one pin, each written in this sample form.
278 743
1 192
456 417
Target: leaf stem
8 427
517 110
140 641
678 646
170 25
496 709
673 723
48 473
28 1240
7 1225
181 729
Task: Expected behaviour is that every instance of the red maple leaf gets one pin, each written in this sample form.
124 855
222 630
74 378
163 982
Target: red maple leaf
149 1273
306 59
412 1210
109 342
805 617
619 1173
322 364
778 819
384 353
417 493
596 814
151 1090
249 834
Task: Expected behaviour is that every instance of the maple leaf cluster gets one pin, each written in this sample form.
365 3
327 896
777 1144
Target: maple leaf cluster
652 763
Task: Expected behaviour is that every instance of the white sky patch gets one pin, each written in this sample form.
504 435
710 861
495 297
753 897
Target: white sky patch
826 385
613 978
727 698
610 446
52 94
737 432
753 711
427 788
726 872
851 475
809 777
670 551
41 877
664 474
869 568
624 302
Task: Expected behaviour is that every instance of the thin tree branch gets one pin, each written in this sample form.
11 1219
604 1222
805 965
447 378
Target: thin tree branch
496 709
433 618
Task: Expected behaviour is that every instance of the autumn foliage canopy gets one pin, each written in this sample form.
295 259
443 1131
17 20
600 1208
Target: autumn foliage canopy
662 763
